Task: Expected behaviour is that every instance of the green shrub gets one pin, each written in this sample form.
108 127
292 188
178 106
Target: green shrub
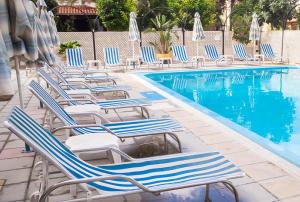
68 44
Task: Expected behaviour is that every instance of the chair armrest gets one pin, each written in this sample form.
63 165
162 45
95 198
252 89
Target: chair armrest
77 100
93 114
92 179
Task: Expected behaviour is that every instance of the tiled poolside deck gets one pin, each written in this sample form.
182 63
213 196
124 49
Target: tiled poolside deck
268 178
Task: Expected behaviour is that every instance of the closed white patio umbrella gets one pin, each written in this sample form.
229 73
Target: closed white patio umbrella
254 34
134 34
198 32
53 30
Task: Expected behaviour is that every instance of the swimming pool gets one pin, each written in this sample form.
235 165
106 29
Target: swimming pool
262 104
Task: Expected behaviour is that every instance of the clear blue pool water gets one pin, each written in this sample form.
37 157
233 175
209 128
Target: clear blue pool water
262 104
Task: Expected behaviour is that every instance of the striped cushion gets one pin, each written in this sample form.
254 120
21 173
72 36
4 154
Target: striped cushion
211 52
121 129
179 51
74 57
267 50
111 56
240 51
148 54
103 104
160 173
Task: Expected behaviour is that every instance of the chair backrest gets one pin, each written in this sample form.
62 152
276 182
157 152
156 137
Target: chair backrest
267 50
49 101
46 144
55 85
179 52
111 56
211 52
240 51
148 54
74 57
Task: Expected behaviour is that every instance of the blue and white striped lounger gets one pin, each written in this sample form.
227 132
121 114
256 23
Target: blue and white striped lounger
149 56
268 52
84 75
153 175
213 55
74 57
111 57
91 89
122 130
241 53
105 105
180 54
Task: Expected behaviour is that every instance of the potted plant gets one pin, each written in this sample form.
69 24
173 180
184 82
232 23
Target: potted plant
163 27
64 46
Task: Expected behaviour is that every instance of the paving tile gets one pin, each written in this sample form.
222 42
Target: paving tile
244 158
14 153
283 187
292 199
3 137
215 138
16 163
263 171
15 176
14 144
2 182
15 192
254 193
229 147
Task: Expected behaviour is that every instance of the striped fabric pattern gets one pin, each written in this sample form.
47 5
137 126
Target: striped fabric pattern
179 51
267 50
254 33
198 32
95 89
170 171
121 129
103 104
240 51
211 52
148 54
134 34
74 57
111 56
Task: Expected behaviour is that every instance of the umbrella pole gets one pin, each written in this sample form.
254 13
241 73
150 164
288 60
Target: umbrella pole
17 65
197 44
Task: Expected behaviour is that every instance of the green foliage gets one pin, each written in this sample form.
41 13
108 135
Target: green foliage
65 23
241 19
68 44
163 27
114 14
182 12
241 26
273 11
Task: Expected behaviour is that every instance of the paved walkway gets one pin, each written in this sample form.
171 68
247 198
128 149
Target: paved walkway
268 178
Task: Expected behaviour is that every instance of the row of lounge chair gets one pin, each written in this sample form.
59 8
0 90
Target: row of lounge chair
80 89
148 56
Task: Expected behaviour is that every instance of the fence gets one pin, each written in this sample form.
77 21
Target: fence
120 40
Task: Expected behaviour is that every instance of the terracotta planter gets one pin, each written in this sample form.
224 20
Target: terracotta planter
165 55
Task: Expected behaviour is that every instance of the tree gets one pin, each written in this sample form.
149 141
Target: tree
183 12
114 14
276 11
241 18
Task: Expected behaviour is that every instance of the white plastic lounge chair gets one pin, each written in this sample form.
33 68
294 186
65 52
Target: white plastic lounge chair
122 130
78 87
153 175
81 71
241 53
112 57
149 57
213 55
180 54
74 59
94 103
268 53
